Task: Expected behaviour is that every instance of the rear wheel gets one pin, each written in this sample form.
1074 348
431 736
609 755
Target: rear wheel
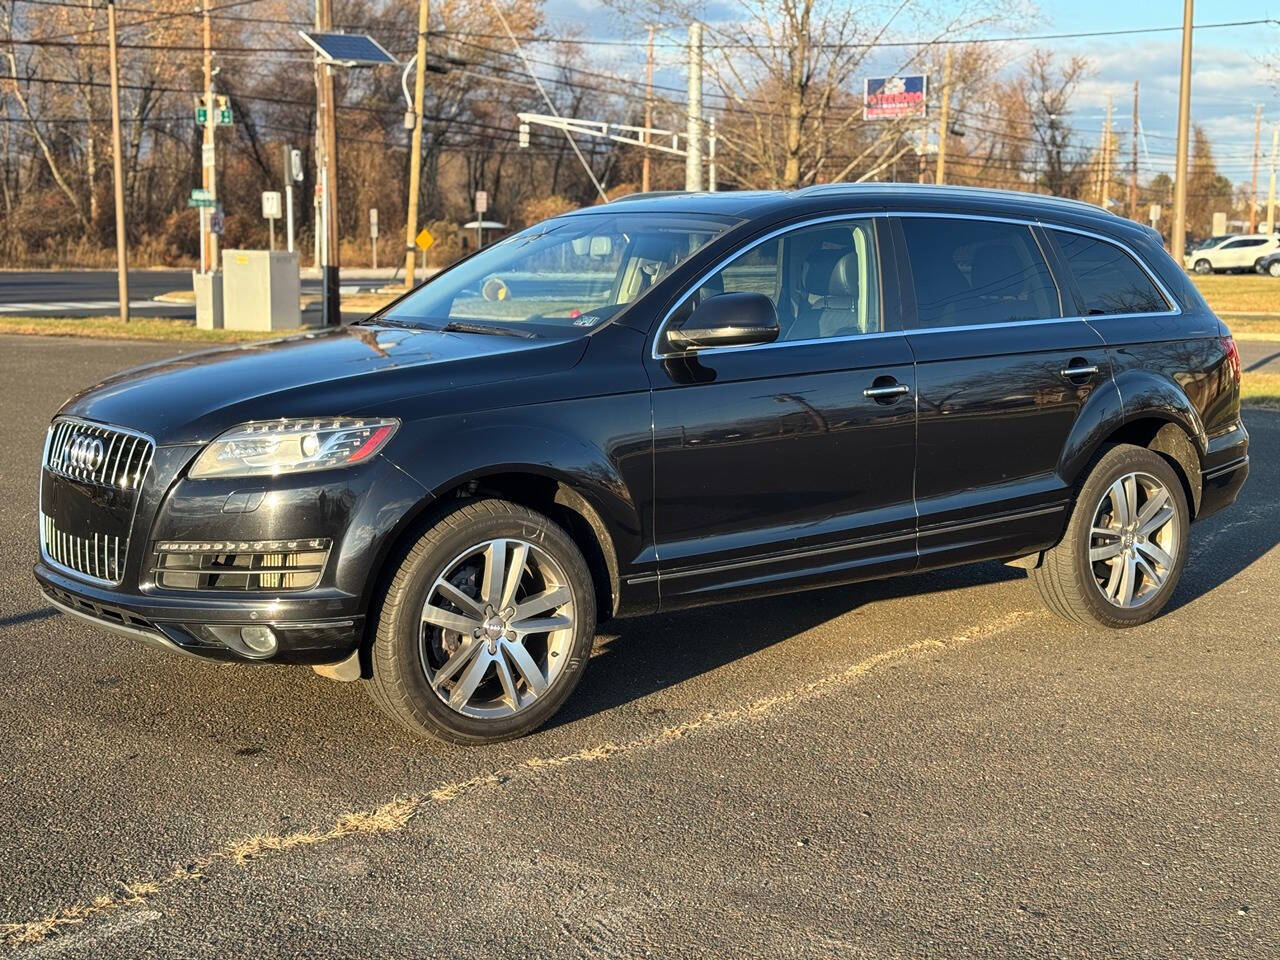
1125 545
486 627
1203 266
1274 268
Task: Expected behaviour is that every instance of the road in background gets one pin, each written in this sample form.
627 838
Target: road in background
929 766
92 293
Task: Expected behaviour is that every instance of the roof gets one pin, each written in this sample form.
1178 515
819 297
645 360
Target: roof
753 202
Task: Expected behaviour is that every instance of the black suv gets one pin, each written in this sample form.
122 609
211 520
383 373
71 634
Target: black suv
654 403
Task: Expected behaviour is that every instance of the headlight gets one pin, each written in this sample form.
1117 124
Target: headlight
272 447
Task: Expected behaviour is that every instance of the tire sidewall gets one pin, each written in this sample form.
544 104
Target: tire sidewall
405 622
1203 266
1115 464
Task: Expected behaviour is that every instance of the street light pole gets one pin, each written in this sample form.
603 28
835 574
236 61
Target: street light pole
117 165
1178 242
331 305
415 149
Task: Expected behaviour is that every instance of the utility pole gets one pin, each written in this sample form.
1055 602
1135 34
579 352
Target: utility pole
693 134
1133 160
648 115
1104 199
1178 241
415 149
331 309
944 116
924 152
1271 193
1253 189
208 168
122 252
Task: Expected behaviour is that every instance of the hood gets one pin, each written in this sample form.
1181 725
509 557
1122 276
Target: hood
358 368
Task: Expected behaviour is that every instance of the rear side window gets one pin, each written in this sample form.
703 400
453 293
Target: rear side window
1237 244
1108 279
977 271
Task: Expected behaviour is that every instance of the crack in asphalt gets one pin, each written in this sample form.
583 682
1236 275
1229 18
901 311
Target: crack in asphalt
394 815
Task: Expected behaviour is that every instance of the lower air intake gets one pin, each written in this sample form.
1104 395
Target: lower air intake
245 565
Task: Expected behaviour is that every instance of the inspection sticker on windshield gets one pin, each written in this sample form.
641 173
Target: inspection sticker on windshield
589 320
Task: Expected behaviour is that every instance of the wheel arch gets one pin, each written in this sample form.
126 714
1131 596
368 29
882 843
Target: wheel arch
1146 410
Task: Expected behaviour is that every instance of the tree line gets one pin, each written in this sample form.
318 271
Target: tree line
782 78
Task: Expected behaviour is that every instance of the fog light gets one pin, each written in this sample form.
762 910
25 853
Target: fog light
260 640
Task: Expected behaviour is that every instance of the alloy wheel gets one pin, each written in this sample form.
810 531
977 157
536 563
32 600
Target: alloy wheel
497 627
1133 542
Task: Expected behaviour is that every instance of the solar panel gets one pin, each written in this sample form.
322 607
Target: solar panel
349 49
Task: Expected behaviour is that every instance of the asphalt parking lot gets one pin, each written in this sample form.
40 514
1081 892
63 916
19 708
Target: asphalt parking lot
929 767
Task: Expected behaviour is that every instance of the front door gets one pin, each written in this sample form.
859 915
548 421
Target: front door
773 465
1002 376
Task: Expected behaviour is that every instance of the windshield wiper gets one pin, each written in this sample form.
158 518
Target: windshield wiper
457 326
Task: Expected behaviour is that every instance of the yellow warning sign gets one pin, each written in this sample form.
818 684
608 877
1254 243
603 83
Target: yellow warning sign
424 239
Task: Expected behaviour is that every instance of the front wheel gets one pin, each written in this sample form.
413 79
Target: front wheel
1203 266
1125 545
486 627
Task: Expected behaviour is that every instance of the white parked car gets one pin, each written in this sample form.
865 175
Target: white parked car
1241 252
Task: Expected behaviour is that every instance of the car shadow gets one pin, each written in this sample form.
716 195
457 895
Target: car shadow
651 653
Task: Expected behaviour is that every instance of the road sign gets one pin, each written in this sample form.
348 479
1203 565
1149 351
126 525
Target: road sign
201 198
892 98
1155 213
295 164
271 207
424 239
373 222
482 201
208 156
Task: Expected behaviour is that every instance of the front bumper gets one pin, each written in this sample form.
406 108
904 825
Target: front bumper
182 627
359 510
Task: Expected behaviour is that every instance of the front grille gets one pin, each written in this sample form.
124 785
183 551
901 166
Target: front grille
105 456
98 556
248 565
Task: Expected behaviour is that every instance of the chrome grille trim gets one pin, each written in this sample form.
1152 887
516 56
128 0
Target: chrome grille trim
121 457
95 559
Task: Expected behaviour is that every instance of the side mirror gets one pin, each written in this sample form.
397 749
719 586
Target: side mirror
728 320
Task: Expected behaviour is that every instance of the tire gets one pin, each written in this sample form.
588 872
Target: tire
1273 268
1203 266
492 679
1257 266
1072 585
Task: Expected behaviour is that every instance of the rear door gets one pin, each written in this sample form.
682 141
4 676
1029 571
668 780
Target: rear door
789 463
1002 372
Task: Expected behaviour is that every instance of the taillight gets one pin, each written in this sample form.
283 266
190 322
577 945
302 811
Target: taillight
1233 356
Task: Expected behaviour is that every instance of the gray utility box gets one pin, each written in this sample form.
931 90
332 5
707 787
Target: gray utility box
208 288
260 290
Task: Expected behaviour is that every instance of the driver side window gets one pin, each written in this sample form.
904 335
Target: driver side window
824 280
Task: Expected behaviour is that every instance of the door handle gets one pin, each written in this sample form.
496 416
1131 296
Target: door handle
879 393
1085 370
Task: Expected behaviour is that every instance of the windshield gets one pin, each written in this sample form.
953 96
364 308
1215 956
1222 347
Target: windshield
561 277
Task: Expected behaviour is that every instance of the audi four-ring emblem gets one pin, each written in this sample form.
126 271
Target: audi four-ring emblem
86 452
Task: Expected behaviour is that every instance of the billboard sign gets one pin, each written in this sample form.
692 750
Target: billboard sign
894 98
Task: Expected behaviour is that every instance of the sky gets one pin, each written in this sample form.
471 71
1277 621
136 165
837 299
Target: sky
1234 69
